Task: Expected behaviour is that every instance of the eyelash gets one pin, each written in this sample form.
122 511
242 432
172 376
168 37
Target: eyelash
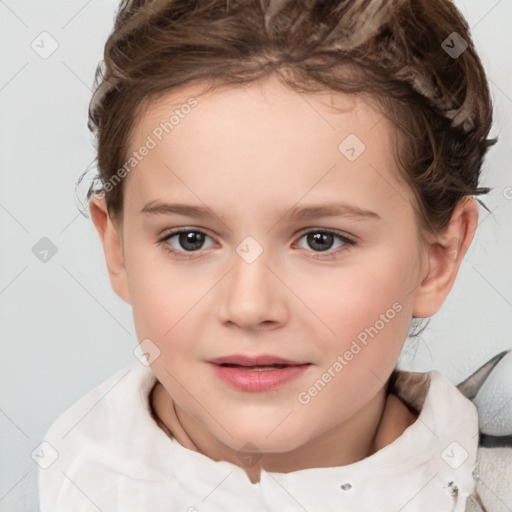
347 243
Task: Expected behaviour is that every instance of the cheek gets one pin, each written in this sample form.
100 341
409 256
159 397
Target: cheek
369 309
170 303
375 290
160 294
167 315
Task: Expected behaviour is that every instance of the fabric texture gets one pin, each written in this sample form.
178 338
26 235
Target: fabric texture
112 456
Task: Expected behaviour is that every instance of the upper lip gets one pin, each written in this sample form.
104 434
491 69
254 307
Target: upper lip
255 360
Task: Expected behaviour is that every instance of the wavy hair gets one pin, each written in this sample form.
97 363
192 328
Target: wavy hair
396 51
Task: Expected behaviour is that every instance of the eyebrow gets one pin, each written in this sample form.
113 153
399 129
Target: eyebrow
299 213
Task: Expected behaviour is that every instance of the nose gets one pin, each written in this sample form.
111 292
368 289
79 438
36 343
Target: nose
252 296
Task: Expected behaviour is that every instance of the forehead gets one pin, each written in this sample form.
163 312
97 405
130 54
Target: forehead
258 110
262 140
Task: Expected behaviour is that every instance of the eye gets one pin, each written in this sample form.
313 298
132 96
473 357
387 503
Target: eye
186 241
321 240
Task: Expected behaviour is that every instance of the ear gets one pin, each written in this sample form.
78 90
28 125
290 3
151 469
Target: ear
445 253
111 238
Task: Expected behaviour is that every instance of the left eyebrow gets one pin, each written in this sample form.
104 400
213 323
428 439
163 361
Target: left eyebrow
299 213
331 210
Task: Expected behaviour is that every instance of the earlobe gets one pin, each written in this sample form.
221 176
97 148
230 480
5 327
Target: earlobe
445 254
112 242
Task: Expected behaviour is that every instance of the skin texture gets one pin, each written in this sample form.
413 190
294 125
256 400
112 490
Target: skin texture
250 155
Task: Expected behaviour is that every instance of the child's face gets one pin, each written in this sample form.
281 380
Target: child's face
252 157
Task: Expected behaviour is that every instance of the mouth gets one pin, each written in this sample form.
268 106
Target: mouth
257 373
255 368
263 360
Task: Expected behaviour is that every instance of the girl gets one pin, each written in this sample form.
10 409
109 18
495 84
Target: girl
283 186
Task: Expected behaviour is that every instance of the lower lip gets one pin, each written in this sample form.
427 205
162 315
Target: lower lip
258 380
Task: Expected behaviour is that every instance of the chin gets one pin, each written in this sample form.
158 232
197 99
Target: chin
264 438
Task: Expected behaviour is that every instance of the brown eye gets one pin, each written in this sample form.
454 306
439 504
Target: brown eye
185 240
191 240
320 240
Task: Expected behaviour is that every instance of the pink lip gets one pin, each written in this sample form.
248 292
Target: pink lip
261 359
243 373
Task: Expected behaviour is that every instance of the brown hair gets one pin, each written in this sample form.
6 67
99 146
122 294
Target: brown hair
403 53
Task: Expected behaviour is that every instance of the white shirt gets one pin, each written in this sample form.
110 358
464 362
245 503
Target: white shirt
107 453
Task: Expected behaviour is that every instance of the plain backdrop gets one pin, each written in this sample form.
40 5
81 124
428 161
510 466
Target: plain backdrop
63 329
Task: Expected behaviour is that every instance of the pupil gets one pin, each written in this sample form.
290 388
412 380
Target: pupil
319 239
191 240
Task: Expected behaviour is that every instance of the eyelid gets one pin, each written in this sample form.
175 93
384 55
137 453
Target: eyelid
300 233
315 229
186 229
348 240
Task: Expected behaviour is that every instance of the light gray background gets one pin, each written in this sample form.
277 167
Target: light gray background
64 330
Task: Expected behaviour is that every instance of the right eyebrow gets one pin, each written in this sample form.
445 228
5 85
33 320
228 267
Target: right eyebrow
186 210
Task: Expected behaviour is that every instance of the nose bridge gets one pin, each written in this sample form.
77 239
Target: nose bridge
253 293
250 264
